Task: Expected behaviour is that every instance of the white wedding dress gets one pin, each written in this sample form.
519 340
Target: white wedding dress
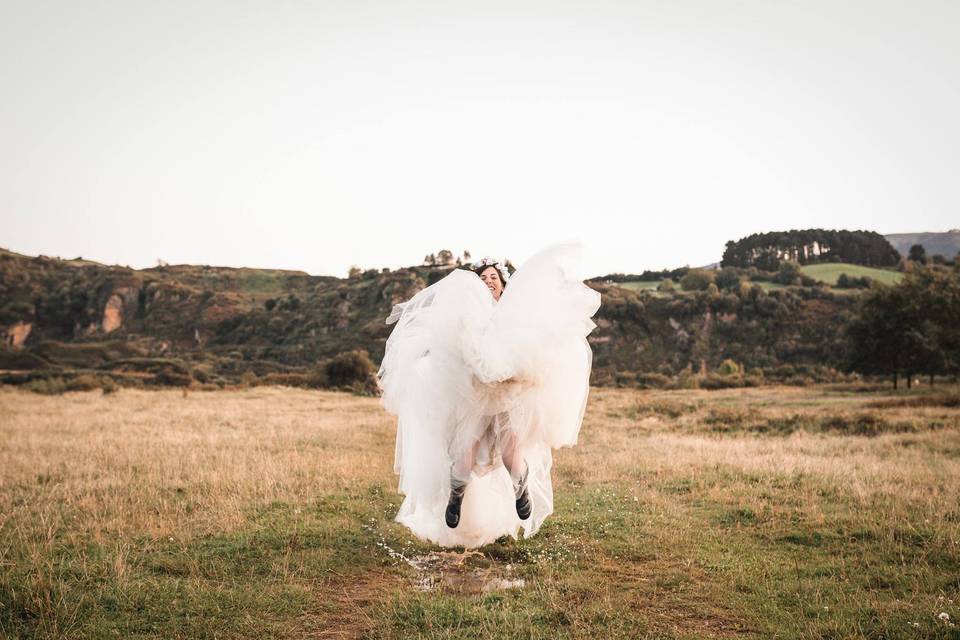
457 358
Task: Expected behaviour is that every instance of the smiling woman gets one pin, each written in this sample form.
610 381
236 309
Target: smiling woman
485 380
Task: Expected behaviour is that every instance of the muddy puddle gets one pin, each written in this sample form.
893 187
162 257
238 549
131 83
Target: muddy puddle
469 572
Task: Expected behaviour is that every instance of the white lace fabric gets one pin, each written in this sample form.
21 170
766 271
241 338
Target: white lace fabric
456 359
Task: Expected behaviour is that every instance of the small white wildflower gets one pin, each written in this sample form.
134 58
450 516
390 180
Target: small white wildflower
944 616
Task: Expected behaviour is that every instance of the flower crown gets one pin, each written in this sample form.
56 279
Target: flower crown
491 262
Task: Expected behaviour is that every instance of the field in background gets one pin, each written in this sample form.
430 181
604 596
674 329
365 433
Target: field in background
826 273
829 272
764 512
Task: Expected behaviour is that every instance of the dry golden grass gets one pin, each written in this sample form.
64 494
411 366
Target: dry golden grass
740 512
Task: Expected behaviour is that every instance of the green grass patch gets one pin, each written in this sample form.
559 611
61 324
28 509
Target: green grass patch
828 272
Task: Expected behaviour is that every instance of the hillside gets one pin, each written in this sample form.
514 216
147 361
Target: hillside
212 325
945 243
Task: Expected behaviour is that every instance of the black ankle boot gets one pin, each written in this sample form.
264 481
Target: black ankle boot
524 506
452 513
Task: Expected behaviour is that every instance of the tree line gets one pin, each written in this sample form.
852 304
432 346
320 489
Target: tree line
908 329
766 250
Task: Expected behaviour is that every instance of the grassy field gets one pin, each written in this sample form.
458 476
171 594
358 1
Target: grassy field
829 272
642 285
774 512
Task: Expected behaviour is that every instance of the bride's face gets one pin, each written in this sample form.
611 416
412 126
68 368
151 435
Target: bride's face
491 278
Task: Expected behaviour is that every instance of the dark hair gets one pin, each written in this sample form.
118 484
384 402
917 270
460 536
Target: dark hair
479 270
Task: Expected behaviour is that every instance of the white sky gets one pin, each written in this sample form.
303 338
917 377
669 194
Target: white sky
317 135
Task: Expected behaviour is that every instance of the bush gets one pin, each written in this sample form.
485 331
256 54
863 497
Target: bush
715 381
729 368
349 368
696 280
850 282
789 273
666 286
47 386
728 278
84 382
653 380
169 376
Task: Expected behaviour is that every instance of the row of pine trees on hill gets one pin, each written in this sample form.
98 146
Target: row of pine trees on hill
766 251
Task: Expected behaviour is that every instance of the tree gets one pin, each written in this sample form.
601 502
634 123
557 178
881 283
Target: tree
728 278
696 280
789 273
879 338
909 328
354 272
445 257
917 254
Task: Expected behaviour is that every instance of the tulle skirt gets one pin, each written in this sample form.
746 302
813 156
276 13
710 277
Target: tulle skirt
460 368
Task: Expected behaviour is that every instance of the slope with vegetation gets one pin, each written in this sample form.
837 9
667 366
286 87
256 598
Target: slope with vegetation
78 324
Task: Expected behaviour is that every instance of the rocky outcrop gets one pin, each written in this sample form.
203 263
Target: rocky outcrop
115 310
112 314
17 335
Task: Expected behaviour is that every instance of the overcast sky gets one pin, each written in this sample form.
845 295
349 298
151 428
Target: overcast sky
319 135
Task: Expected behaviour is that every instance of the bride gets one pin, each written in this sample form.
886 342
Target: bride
487 373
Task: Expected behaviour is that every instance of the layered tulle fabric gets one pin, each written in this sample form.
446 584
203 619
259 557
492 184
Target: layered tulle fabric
460 367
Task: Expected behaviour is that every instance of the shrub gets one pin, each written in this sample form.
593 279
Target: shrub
728 278
789 273
171 377
666 286
348 368
47 386
653 380
729 368
84 382
715 381
696 280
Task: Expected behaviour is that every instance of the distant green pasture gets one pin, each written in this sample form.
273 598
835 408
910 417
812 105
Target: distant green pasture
828 272
641 285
